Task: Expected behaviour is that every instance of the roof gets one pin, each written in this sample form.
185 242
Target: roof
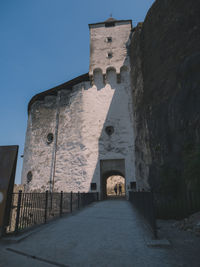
111 20
53 91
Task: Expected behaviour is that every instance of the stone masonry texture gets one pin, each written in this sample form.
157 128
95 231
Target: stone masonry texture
165 64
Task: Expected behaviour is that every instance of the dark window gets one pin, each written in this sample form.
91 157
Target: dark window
93 186
109 130
109 39
133 185
109 24
49 138
109 54
29 177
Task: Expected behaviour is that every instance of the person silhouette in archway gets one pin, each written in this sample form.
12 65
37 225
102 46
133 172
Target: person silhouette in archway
115 189
120 189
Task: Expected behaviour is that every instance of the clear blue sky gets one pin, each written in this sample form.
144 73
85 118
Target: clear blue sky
42 44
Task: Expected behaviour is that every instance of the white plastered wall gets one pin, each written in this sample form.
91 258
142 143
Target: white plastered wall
82 140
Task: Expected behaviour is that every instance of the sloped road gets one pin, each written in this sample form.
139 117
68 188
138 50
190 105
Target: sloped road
107 233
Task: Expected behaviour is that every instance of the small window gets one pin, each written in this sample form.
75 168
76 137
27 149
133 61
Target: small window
109 130
29 177
109 39
93 186
49 138
133 185
110 24
110 55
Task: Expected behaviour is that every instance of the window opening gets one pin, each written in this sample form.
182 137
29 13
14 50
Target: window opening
109 24
110 55
49 138
29 177
109 130
93 186
133 185
109 39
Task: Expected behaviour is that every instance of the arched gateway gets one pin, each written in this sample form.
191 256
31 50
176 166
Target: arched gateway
108 169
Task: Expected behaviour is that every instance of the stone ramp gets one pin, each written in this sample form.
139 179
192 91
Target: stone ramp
107 233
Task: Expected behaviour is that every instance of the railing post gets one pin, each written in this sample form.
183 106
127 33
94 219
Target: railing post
71 195
18 211
61 203
46 206
97 196
154 225
78 200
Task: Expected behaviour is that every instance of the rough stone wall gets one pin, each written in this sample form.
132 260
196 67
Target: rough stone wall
99 46
82 140
37 153
165 64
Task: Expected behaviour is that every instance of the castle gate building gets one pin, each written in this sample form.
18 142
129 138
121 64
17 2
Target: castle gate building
81 132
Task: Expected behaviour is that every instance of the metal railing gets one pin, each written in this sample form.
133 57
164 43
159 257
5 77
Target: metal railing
171 205
144 203
31 209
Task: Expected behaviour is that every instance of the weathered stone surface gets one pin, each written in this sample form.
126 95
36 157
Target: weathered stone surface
100 47
37 153
165 64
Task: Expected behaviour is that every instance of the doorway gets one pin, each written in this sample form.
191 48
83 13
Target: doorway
115 186
112 168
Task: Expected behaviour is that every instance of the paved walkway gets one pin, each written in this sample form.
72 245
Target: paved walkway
107 233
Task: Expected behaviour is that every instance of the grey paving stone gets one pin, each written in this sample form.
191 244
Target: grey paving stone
107 233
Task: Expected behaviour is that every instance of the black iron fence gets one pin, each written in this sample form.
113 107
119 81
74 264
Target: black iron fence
165 205
171 205
143 202
30 209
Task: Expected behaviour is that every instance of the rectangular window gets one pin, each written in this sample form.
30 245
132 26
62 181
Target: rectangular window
109 55
93 186
133 185
109 39
109 24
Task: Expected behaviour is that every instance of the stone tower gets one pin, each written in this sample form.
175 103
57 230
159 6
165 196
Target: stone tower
108 45
81 132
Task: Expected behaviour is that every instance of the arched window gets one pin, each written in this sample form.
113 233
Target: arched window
109 130
49 138
29 177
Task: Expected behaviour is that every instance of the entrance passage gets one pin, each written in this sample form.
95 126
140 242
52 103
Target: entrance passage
115 186
109 169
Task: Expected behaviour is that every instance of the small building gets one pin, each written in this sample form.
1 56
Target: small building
81 132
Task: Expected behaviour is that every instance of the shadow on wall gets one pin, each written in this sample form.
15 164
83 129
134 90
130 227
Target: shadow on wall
116 141
166 85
